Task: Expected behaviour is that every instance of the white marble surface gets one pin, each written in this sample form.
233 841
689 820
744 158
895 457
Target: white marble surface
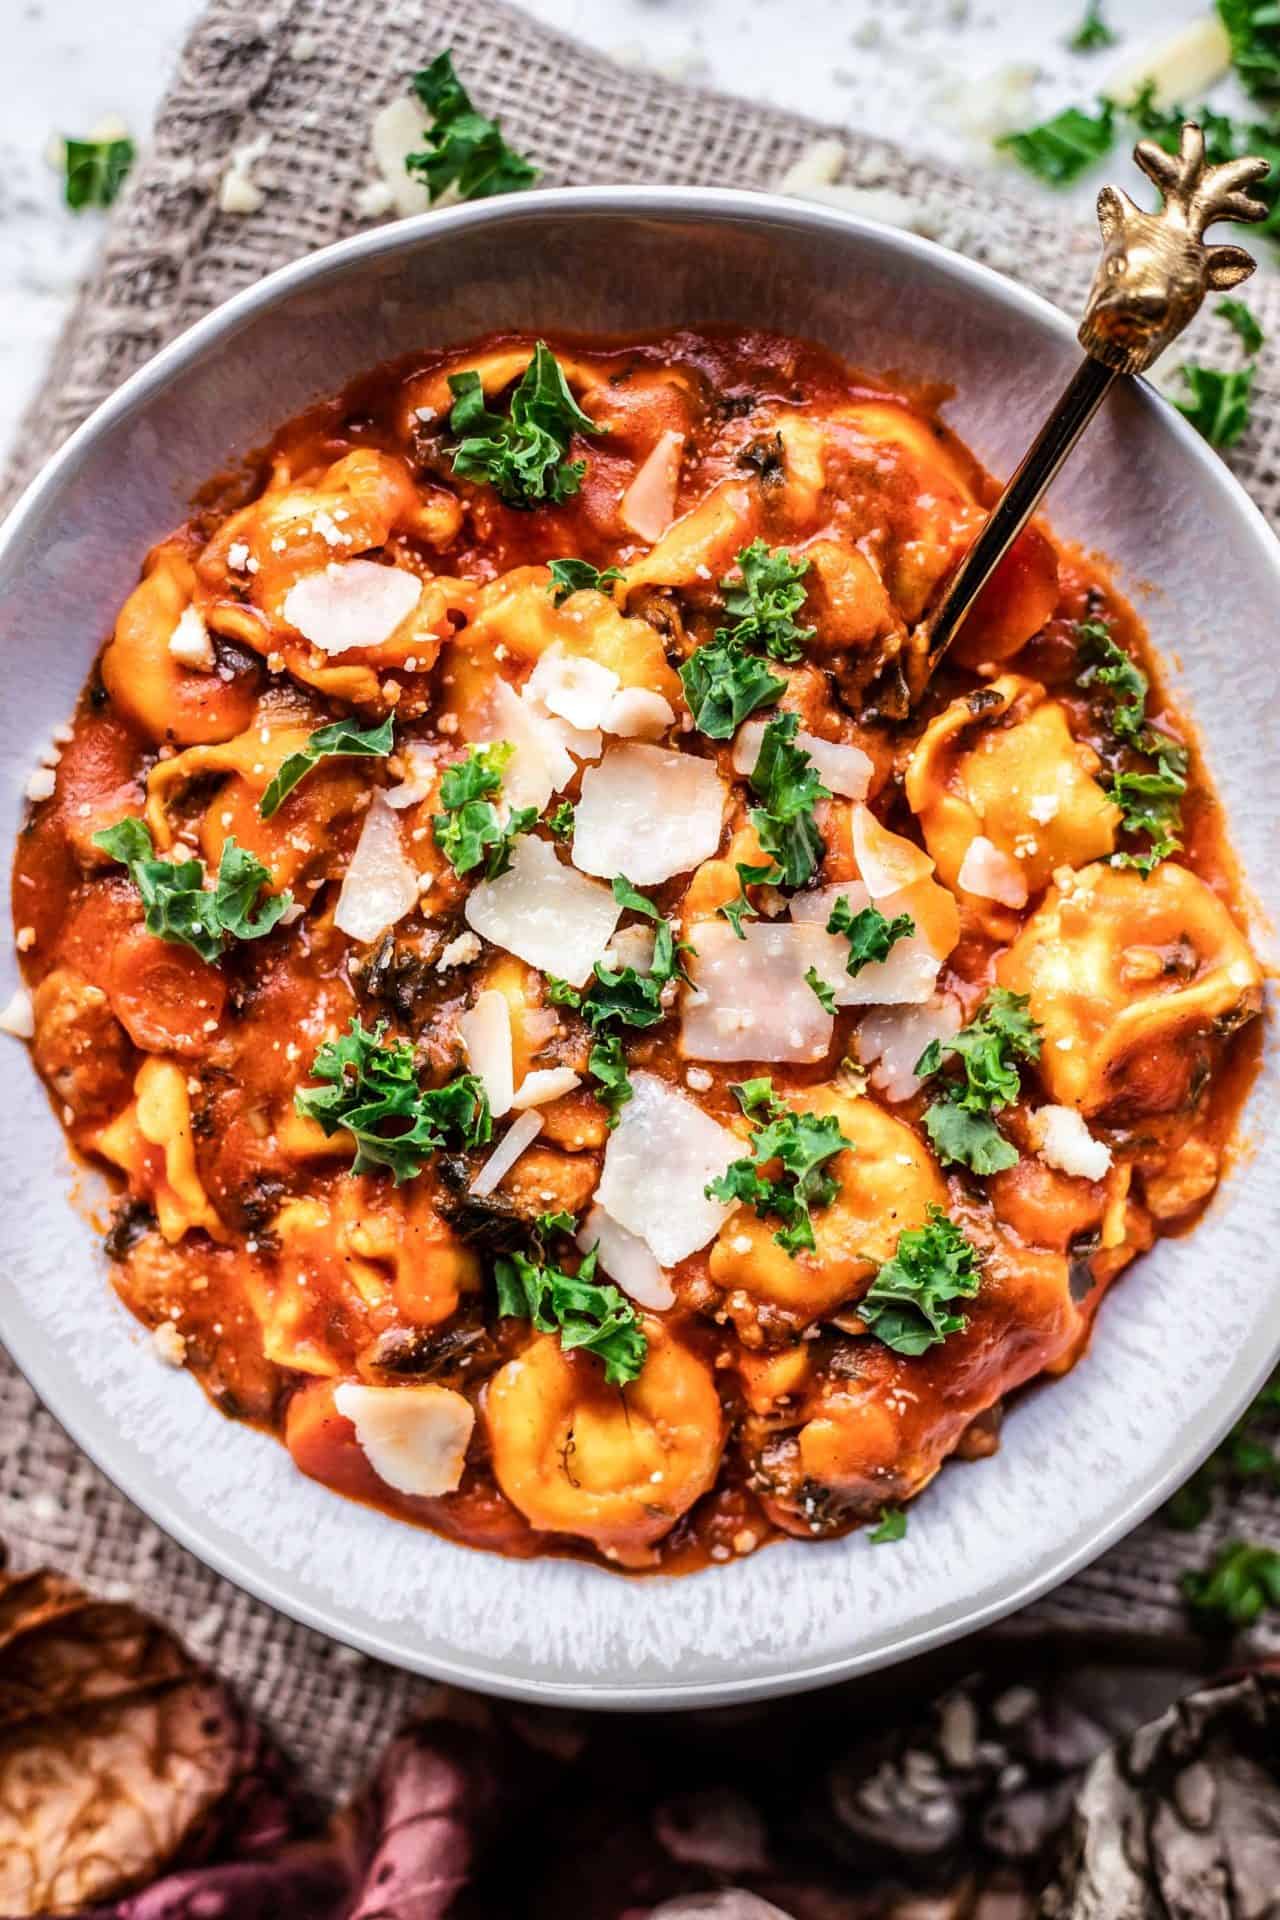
914 70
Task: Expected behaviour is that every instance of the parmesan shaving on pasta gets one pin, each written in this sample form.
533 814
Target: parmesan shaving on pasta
649 504
545 1084
991 874
845 769
414 1438
750 998
485 1032
540 764
647 813
572 687
544 912
626 1259
351 603
657 1165
905 977
637 713
381 884
891 1040
522 1132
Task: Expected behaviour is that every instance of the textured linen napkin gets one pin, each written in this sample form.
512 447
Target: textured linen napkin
309 74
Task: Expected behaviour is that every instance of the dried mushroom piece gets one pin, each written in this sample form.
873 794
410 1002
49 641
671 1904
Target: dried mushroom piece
118 1754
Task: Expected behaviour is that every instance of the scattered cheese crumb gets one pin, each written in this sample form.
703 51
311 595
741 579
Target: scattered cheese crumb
459 952
25 939
41 783
189 643
17 1018
699 1080
818 166
238 556
169 1345
1064 1141
238 191
1043 807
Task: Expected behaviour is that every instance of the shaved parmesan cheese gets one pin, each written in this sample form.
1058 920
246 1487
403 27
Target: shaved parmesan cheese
649 504
572 687
1181 68
819 905
846 770
544 1084
414 1438
189 643
659 1160
886 861
750 999
540 764
905 978
544 912
381 885
991 874
647 813
1064 1141
636 713
524 1129
18 1017
891 1040
351 603
398 130
485 1032
626 1260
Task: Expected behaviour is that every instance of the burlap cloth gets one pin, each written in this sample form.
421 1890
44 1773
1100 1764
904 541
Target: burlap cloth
310 73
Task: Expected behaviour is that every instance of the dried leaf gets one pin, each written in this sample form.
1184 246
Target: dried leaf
118 1754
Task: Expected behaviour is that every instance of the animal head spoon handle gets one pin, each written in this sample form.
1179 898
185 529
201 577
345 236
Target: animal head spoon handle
1155 271
1156 268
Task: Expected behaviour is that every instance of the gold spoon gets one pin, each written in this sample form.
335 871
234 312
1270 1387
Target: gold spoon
1155 271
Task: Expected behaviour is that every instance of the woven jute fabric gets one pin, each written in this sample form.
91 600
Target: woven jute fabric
309 74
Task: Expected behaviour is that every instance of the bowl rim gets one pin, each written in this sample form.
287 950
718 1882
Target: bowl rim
166 366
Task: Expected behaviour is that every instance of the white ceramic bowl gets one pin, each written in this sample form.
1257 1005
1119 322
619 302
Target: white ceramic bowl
1186 1336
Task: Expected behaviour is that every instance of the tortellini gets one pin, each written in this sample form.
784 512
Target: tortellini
1134 980
877 1429
171 703
1000 766
887 1179
614 1466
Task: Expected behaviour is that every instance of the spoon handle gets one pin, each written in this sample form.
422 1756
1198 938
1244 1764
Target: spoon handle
1155 271
1076 407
